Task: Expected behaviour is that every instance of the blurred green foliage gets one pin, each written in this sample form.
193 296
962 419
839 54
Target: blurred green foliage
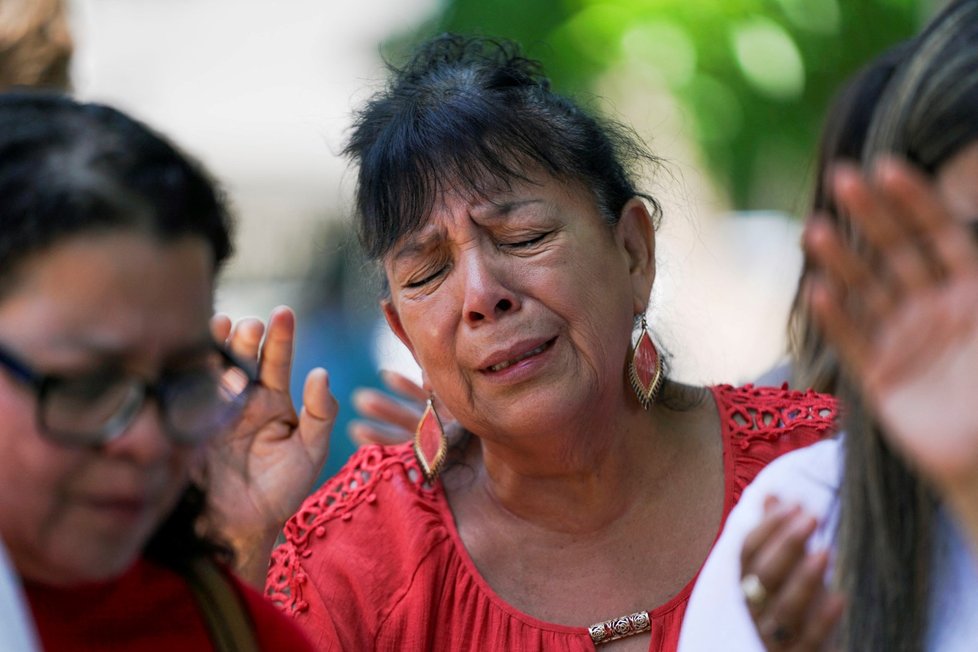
753 76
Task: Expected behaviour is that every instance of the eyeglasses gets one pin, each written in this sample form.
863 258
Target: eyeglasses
92 409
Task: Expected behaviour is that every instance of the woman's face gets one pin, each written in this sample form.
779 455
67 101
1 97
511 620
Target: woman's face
519 307
120 302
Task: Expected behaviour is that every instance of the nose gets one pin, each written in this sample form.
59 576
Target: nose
488 295
144 440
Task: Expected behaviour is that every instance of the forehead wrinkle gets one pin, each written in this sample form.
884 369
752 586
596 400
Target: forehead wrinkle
501 209
429 236
418 243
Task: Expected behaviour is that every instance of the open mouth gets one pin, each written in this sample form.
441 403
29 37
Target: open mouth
529 354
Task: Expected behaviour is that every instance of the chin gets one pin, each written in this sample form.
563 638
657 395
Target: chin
85 561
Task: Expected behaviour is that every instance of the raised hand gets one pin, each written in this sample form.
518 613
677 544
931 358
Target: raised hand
784 584
389 419
902 311
260 472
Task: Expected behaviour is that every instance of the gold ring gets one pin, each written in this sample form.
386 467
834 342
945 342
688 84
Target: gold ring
754 592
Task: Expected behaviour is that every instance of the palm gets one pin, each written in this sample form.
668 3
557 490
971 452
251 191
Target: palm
901 311
247 467
923 377
262 469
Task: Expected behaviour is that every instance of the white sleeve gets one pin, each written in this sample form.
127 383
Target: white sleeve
717 617
16 624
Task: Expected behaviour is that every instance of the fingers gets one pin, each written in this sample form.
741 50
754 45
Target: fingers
319 409
365 433
776 515
275 366
784 584
269 350
245 340
953 247
220 328
802 614
377 405
782 550
907 246
404 386
389 420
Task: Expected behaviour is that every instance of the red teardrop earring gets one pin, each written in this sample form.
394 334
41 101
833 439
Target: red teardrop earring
645 368
430 444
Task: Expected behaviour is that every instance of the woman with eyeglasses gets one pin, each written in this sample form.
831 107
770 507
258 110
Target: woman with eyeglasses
111 385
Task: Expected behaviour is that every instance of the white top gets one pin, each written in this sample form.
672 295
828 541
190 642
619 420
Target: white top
717 616
16 625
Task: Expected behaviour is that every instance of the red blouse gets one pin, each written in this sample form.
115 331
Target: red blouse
148 609
373 560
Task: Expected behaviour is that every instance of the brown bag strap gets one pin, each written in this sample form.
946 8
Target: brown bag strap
224 611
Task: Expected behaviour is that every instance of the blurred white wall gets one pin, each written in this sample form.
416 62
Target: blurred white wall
260 91
263 92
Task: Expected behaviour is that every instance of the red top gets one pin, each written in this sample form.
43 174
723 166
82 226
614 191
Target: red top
148 609
373 560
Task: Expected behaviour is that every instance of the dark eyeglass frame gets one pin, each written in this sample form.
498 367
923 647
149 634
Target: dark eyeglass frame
115 426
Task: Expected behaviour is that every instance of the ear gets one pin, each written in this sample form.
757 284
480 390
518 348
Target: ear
394 321
638 240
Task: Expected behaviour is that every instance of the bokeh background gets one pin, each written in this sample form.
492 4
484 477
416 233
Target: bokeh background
730 93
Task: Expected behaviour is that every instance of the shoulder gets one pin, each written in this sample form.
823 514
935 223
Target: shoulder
771 412
355 543
763 423
391 469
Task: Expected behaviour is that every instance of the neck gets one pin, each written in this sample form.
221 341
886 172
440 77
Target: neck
578 480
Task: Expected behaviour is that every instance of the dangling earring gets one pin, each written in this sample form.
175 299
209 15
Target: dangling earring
430 444
645 368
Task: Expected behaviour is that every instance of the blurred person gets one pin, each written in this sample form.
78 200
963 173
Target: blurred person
111 385
35 50
892 504
812 361
581 491
35 44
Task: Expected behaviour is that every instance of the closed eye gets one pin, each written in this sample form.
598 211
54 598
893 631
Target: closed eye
526 244
425 280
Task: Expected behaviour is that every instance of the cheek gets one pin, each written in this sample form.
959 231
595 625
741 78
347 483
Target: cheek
430 327
597 307
33 479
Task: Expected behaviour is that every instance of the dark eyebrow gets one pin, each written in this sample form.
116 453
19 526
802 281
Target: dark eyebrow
416 245
495 210
504 208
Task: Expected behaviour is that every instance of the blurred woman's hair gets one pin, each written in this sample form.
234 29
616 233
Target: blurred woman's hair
814 365
473 115
927 114
69 170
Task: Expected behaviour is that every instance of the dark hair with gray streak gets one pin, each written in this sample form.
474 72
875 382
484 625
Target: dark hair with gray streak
474 115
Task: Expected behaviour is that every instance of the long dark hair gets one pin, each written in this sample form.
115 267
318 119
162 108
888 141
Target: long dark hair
928 113
68 168
843 137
